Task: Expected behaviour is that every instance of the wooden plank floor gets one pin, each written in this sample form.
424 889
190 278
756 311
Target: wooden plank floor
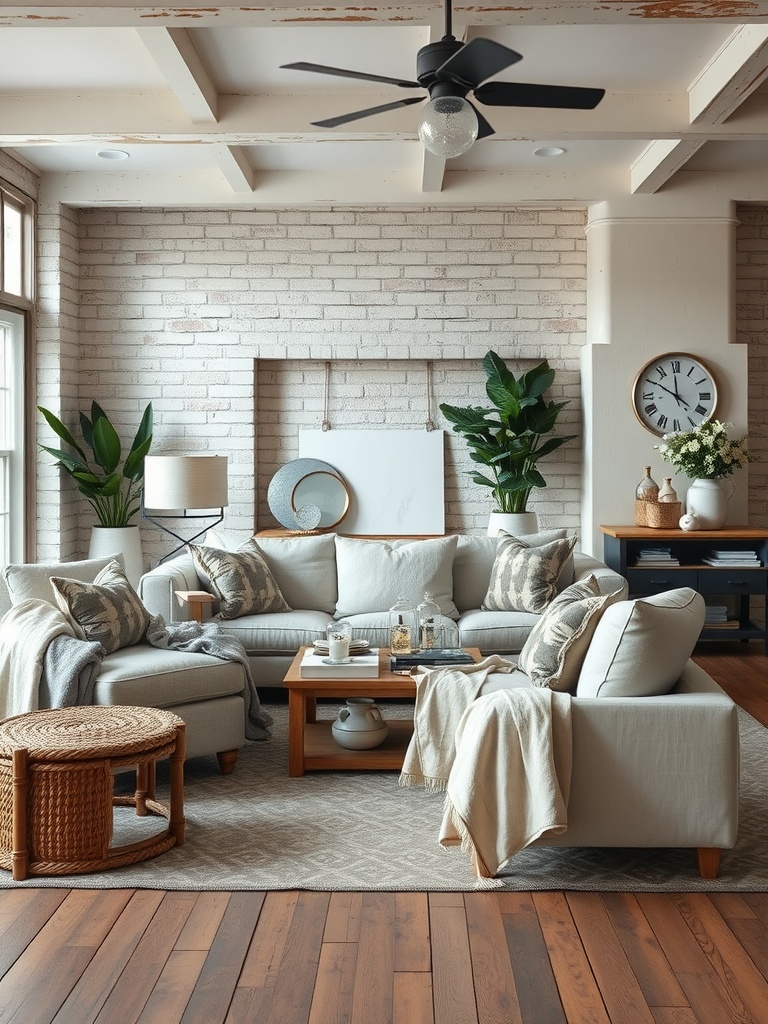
123 956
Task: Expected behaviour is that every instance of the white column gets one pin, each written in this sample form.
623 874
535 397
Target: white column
660 278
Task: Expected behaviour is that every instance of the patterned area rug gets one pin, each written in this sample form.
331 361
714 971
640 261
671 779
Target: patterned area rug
260 829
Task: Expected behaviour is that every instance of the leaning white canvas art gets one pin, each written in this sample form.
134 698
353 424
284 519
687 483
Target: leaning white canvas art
395 477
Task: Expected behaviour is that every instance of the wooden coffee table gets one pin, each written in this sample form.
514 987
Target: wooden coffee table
311 746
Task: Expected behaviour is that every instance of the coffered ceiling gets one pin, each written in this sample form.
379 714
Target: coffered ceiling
197 99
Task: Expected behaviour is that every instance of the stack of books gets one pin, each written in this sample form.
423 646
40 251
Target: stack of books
432 657
716 617
652 557
728 559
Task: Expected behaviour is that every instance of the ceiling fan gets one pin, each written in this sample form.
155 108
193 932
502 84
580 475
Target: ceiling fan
448 70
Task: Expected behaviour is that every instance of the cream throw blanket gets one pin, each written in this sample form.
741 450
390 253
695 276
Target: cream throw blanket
25 632
442 697
511 776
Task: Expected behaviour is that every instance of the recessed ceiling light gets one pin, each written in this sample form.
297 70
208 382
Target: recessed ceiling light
549 151
113 154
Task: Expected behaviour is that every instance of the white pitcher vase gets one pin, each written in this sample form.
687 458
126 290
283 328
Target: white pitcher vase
708 501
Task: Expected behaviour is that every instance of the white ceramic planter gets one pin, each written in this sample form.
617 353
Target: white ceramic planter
708 501
124 540
516 523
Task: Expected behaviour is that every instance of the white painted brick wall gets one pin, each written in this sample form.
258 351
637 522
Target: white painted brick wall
179 307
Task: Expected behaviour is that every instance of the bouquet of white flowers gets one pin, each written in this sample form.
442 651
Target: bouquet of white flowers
705 452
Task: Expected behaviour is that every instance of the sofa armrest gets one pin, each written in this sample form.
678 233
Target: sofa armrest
608 580
157 588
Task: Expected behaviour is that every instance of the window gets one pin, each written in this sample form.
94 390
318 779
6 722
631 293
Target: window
16 292
11 437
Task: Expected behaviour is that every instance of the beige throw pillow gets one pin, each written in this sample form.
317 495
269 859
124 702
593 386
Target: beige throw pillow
241 580
108 610
554 651
523 578
640 647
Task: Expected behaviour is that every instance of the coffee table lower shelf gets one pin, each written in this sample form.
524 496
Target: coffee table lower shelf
322 752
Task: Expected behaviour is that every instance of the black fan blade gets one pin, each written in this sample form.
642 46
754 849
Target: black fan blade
518 94
483 128
477 60
334 122
323 69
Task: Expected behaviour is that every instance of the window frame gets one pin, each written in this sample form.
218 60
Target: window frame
21 480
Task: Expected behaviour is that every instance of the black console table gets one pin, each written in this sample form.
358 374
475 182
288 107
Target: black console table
622 546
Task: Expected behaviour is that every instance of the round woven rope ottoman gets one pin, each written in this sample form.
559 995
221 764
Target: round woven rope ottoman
56 787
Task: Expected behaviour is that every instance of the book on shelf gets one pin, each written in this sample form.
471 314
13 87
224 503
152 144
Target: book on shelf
361 666
733 563
430 658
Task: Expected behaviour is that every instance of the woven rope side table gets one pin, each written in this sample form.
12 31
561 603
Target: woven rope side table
56 787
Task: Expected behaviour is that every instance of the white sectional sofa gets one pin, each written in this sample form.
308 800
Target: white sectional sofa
328 576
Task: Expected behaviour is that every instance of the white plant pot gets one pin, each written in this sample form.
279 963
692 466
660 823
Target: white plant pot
708 501
123 540
516 523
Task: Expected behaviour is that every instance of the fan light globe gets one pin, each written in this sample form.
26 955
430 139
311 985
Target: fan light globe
448 126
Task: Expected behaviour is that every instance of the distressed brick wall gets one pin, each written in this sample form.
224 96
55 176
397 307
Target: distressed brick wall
752 329
186 308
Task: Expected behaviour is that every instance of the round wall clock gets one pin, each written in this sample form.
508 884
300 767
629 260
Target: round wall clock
673 392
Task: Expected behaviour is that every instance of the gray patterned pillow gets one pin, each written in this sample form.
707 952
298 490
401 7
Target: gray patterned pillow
108 610
524 579
241 580
554 651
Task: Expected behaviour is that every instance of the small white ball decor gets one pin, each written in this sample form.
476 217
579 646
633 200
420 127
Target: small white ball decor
689 522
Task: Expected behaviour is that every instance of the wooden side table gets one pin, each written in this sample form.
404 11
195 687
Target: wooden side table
56 787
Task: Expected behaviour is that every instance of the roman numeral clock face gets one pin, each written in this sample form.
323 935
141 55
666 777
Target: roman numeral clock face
674 392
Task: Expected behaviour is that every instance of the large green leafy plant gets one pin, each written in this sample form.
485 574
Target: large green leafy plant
507 439
113 490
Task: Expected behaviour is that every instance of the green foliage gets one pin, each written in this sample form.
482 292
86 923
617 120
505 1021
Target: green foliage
113 491
507 438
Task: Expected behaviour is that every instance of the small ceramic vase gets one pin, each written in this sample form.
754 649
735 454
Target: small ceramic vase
359 726
689 522
667 492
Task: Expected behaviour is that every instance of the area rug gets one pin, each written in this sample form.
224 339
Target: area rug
260 829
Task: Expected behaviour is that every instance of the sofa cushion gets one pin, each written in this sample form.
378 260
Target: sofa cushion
272 632
524 578
146 676
33 581
640 647
496 632
554 652
474 560
108 611
373 574
304 568
241 580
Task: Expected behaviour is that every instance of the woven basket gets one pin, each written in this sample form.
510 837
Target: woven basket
663 515
641 513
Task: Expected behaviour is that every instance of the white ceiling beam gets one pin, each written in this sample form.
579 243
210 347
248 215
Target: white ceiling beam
659 161
432 172
36 118
237 169
333 188
178 60
203 14
733 74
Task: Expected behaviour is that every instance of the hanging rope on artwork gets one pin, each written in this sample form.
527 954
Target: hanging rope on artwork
430 423
326 424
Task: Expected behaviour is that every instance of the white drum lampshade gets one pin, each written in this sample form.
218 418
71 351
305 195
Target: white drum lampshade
184 487
185 481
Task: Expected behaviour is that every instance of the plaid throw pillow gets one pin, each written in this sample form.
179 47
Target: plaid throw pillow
555 649
241 580
108 610
524 579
